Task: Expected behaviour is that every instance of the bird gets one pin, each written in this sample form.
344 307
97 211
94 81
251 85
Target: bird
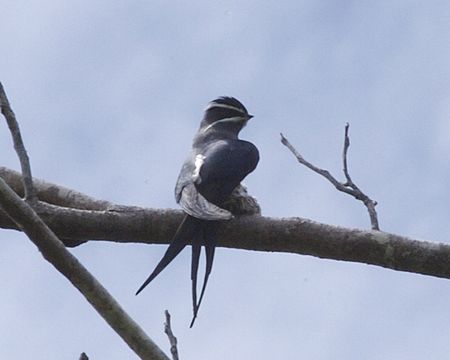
208 181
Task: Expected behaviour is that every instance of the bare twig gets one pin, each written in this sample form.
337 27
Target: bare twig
349 187
171 336
358 194
344 156
55 252
10 117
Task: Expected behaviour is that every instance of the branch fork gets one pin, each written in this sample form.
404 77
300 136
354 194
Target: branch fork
348 187
54 251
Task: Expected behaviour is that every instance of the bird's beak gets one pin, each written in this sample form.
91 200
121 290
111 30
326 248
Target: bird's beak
249 116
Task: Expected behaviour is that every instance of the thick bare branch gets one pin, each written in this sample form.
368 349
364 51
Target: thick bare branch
19 146
56 253
348 187
291 235
171 336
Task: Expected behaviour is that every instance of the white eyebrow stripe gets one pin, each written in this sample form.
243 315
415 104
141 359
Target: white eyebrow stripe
224 106
230 119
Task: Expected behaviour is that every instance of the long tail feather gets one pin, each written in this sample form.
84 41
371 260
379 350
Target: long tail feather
186 231
196 248
210 238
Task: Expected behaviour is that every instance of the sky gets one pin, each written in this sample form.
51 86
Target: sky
109 95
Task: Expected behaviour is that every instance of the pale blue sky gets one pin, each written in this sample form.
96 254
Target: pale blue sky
108 96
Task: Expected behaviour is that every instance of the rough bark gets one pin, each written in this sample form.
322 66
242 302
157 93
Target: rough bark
290 235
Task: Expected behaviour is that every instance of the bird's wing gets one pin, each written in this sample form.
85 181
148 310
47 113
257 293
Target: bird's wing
187 195
209 176
223 166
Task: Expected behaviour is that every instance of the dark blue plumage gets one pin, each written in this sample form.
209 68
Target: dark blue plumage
217 164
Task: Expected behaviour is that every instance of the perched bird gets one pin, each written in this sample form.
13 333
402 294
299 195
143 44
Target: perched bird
209 179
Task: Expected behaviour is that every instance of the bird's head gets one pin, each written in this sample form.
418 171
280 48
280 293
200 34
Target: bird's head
225 114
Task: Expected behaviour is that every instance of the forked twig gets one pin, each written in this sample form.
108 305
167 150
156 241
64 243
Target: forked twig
349 186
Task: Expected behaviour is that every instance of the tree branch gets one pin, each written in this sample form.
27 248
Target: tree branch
55 252
349 187
54 194
290 235
10 117
23 216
